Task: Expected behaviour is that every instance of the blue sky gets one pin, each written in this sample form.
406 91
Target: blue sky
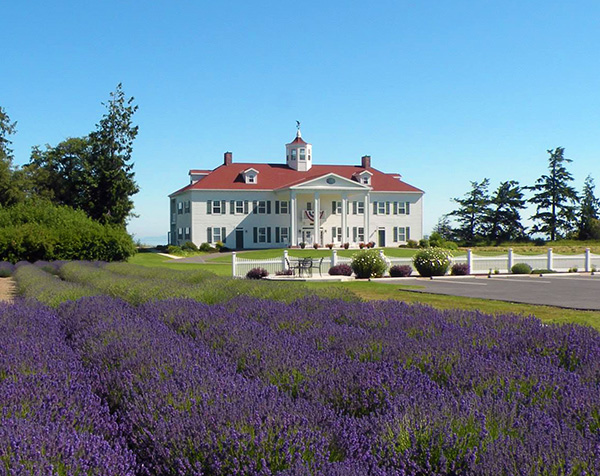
443 92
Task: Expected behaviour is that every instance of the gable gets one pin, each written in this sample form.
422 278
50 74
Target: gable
330 181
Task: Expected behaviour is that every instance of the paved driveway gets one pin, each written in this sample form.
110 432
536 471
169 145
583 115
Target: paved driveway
576 291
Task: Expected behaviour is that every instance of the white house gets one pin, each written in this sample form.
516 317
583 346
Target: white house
252 205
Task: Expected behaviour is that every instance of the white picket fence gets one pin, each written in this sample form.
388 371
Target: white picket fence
477 264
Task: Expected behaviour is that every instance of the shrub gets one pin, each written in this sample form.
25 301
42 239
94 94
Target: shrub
400 271
285 272
340 270
371 244
38 230
435 239
361 245
207 248
450 245
432 261
219 245
412 244
303 245
368 264
574 269
459 269
189 246
174 249
423 243
330 246
257 273
6 269
346 246
521 268
316 246
542 271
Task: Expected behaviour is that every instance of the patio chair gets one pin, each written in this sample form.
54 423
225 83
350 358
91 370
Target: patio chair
295 266
305 265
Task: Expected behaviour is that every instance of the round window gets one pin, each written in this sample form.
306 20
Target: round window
330 180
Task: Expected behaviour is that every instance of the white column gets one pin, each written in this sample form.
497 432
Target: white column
587 260
470 260
333 258
367 214
550 260
510 259
293 218
285 259
233 263
344 238
317 208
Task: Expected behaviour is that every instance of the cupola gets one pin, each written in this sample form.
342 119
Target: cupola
298 153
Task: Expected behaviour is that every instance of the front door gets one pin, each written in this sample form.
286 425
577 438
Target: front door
239 239
381 238
307 236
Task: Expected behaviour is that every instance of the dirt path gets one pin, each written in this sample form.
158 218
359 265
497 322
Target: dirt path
7 289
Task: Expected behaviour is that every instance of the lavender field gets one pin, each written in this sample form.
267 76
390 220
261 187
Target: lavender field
114 375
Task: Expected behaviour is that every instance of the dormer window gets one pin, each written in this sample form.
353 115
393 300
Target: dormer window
250 176
363 177
366 180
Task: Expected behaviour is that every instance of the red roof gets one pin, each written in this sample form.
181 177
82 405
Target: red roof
298 140
280 176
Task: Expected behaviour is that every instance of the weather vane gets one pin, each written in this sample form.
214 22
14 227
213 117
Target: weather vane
298 125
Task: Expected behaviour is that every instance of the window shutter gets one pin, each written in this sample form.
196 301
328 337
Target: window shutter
232 206
223 235
254 207
209 234
255 230
374 208
223 209
395 208
387 208
407 233
333 234
276 207
246 207
208 207
269 207
354 234
354 208
408 208
268 234
277 232
347 207
395 234
333 207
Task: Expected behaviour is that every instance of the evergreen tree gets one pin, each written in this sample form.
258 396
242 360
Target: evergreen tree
10 186
444 228
504 219
112 182
473 211
555 198
588 212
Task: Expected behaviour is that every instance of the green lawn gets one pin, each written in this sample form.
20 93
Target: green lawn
369 290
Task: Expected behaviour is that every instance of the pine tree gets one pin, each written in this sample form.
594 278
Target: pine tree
555 198
111 170
472 213
504 219
588 212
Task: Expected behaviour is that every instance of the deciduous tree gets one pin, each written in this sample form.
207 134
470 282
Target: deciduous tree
10 187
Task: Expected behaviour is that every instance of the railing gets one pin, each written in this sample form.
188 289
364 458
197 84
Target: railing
477 264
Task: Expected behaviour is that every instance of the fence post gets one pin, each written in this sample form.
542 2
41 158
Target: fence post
470 260
284 261
550 260
333 258
587 260
233 263
511 259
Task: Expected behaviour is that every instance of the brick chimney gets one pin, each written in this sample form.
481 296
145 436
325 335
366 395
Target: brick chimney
228 158
365 161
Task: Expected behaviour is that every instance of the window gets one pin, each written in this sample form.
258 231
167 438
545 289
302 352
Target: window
309 206
401 233
239 206
380 208
294 154
262 207
284 235
180 233
251 179
336 207
358 208
216 207
403 208
187 206
302 154
180 208
336 233
284 207
216 234
365 180
262 234
187 233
